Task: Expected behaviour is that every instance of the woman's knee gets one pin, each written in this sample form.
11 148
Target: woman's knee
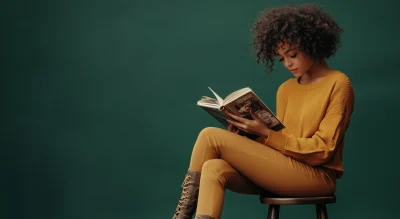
209 131
204 138
212 135
216 170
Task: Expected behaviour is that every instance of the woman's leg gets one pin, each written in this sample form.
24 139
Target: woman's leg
258 163
217 176
263 166
216 172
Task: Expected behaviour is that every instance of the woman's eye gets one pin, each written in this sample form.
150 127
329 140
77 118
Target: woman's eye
294 56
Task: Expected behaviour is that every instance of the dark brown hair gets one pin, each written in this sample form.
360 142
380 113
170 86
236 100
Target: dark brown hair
307 26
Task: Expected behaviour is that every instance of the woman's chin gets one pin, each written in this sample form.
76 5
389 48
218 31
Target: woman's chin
296 75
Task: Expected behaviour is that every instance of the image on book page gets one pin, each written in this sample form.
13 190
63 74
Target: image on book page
252 103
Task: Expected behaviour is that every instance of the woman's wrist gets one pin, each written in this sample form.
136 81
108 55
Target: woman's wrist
266 133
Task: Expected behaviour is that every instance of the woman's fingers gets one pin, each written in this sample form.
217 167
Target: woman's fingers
237 124
233 129
238 118
230 128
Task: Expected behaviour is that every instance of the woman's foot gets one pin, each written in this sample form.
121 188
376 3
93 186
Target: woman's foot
190 191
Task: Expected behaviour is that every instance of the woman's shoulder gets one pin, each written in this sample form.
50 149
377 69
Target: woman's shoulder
287 83
285 86
340 75
339 78
336 78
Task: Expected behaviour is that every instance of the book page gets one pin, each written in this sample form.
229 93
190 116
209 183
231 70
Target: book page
235 95
208 102
220 100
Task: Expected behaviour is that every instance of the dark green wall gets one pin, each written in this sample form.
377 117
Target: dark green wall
99 103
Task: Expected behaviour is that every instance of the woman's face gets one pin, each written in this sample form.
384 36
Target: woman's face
293 59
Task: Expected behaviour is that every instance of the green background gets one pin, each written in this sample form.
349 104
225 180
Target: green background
99 103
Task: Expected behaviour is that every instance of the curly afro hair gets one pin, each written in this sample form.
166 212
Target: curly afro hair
314 32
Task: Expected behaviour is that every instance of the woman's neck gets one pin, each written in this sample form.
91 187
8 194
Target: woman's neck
316 73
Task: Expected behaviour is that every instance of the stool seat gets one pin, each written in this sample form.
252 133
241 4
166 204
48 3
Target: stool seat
298 201
275 203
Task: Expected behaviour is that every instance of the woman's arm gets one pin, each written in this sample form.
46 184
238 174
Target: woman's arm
315 150
320 147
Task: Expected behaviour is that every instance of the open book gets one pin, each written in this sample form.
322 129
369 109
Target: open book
239 103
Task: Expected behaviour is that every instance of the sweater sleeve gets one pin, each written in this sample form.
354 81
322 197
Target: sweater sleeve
280 103
320 147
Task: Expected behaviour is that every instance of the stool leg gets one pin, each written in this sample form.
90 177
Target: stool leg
273 212
322 213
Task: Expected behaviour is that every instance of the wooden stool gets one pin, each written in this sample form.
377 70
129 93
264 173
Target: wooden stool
275 202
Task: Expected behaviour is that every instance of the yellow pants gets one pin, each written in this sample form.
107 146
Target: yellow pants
229 161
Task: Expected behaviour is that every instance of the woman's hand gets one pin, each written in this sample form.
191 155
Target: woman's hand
233 129
256 126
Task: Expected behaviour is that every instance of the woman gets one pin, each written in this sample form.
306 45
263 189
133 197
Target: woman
305 158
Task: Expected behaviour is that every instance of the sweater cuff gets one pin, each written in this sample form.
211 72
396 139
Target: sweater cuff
261 139
276 140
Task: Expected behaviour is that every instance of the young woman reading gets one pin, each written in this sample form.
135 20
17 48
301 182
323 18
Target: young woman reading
305 158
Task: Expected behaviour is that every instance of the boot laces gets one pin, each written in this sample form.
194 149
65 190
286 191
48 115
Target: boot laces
183 196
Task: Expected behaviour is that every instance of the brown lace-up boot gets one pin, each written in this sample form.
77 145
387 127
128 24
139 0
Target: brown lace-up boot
190 191
202 216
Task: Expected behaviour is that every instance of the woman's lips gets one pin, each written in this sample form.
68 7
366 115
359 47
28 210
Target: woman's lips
293 70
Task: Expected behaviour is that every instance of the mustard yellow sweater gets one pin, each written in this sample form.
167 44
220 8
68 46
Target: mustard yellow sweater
316 117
